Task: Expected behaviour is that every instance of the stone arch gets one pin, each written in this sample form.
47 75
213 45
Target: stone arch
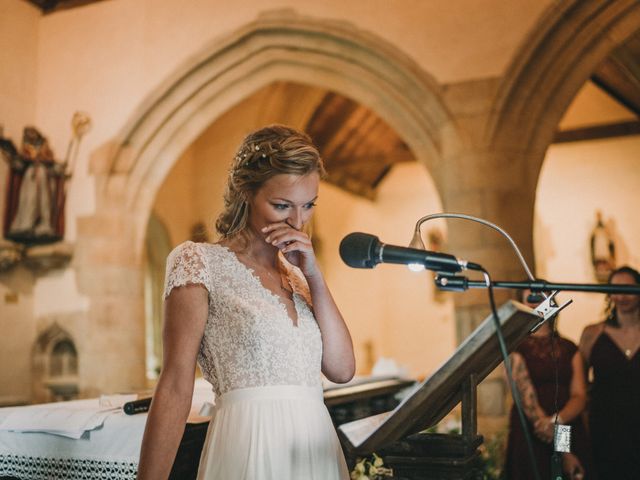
554 62
278 46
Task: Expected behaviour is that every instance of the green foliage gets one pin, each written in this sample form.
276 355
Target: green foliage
492 453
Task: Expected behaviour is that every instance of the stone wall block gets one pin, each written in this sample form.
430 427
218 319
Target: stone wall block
103 225
471 98
100 252
474 128
125 373
450 144
491 397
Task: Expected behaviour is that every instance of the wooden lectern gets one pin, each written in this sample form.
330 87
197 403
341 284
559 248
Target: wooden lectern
396 436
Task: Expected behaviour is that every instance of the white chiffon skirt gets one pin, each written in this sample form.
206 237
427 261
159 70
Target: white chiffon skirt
272 433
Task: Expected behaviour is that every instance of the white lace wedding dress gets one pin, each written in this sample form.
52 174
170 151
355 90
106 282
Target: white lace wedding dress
270 421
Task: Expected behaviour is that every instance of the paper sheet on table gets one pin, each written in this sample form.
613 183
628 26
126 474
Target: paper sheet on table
68 421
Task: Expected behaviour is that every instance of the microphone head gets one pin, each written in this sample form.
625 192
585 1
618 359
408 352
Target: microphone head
358 250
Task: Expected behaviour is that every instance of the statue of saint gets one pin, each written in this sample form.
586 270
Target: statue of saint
603 252
34 212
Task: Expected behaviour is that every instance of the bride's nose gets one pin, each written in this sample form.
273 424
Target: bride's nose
295 219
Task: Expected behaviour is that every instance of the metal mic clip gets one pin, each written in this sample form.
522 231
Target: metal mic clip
549 308
451 283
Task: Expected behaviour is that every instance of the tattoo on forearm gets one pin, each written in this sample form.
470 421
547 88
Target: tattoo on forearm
526 390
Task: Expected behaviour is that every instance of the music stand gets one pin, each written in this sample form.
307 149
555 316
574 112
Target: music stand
396 434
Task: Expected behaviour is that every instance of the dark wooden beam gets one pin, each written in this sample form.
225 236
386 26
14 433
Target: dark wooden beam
619 74
618 89
598 132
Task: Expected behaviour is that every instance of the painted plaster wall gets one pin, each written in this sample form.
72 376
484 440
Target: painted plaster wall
18 78
19 24
175 200
577 180
389 306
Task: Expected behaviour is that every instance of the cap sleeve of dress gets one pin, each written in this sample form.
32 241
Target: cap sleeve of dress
186 266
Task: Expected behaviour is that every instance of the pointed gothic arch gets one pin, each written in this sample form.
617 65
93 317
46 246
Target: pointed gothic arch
553 63
278 46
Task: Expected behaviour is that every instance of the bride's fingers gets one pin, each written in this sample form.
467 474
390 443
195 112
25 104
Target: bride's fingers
285 236
275 227
297 246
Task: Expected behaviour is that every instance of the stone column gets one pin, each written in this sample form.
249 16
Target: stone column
110 273
496 185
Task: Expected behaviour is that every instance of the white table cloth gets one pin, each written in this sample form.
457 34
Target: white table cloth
109 452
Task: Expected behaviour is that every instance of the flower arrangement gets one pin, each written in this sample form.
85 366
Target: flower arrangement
492 453
371 468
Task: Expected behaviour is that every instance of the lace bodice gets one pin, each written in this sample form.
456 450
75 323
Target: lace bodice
249 339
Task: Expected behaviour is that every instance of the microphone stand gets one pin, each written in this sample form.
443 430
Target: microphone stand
459 283
547 309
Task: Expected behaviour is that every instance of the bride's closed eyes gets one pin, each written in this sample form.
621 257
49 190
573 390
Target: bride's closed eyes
284 206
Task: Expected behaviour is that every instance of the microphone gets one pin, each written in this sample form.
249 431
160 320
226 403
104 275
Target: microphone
137 406
362 250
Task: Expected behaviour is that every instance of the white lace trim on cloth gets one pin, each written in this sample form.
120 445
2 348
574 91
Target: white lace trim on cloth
44 468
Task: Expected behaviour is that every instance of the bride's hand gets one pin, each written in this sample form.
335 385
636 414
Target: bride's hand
294 244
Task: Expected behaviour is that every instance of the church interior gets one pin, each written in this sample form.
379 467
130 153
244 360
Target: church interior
524 113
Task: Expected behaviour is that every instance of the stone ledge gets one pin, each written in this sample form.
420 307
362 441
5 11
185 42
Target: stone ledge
43 258
11 254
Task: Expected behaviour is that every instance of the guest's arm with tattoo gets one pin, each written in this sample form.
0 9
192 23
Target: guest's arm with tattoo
532 409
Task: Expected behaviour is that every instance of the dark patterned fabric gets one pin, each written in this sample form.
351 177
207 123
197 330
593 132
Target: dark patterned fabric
537 354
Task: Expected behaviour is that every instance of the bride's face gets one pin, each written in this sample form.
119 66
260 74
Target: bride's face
284 198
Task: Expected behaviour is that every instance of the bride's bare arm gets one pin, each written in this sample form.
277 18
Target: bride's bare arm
338 361
186 310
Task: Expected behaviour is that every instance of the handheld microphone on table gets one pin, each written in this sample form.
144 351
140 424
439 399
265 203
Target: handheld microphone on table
362 250
137 406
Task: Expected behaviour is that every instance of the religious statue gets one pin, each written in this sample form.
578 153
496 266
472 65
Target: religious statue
36 194
603 252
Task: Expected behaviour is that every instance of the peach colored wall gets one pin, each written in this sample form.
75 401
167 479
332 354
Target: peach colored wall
174 205
19 60
578 179
389 306
18 334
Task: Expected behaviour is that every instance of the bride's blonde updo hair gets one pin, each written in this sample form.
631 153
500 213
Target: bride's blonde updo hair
267 152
